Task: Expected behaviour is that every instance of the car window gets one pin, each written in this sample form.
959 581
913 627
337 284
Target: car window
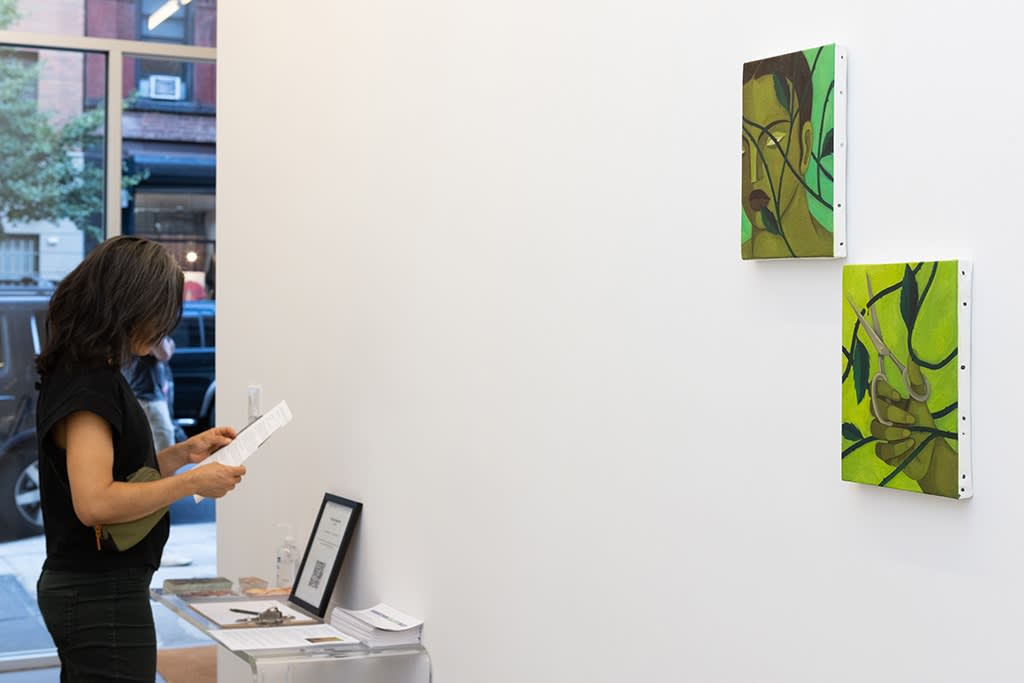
208 331
186 334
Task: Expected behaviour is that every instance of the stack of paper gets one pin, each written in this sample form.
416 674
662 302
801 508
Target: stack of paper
378 626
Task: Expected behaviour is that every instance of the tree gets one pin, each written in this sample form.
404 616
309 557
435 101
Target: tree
43 173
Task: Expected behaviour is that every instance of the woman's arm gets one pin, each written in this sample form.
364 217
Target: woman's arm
195 449
172 458
98 499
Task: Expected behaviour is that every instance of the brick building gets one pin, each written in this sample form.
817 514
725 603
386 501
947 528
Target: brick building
168 124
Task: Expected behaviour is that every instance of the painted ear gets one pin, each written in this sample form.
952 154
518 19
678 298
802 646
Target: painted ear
806 136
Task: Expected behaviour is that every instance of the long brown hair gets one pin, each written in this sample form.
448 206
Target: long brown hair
126 289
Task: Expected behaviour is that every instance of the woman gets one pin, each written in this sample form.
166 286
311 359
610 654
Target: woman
93 436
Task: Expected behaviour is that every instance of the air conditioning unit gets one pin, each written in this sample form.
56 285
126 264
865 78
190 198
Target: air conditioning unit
166 88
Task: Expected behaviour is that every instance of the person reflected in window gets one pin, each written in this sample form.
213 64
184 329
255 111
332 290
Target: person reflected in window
149 377
152 382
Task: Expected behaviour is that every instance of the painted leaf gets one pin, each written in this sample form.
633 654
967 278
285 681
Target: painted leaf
781 91
861 369
827 145
770 224
908 297
851 433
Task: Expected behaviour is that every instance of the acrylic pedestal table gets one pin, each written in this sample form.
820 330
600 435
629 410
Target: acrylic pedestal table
349 663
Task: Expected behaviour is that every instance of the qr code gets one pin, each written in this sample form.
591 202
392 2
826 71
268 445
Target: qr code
318 574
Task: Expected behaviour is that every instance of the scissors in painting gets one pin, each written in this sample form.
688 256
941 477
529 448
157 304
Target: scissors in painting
874 332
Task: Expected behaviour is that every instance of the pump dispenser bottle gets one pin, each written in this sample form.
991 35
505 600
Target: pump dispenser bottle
286 558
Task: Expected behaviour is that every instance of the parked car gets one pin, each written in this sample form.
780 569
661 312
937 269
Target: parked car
22 326
192 367
22 334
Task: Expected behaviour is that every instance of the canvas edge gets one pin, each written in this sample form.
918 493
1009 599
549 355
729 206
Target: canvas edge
965 275
842 341
839 150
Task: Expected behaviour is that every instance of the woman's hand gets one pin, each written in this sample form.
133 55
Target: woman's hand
200 446
214 480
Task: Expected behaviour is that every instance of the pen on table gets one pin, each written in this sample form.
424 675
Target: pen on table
243 611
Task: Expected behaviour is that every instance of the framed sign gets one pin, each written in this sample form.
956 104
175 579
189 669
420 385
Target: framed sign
325 551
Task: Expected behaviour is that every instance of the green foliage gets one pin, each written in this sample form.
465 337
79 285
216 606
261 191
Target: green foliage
827 145
781 91
908 298
770 224
851 433
819 177
8 13
42 171
861 369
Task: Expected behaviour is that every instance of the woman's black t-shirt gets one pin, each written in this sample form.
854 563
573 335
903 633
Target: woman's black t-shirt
71 545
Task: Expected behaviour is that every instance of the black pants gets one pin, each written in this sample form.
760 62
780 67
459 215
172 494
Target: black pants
101 623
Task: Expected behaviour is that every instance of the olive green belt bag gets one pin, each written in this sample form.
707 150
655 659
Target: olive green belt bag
124 535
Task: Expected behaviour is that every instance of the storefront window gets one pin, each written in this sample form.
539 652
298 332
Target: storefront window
51 205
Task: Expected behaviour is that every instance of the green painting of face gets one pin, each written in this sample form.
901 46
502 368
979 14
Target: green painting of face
785 167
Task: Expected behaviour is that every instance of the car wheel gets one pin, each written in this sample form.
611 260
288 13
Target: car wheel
20 507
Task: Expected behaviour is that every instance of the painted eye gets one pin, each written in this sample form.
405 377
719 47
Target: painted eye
774 140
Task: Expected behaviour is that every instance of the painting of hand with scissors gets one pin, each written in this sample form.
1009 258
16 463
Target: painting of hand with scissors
900 389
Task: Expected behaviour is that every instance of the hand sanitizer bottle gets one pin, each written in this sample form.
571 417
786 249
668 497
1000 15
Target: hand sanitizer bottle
286 556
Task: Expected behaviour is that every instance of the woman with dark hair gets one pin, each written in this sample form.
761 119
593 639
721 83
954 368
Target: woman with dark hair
101 480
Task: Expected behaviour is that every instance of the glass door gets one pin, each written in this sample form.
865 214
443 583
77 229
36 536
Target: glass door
52 188
70 176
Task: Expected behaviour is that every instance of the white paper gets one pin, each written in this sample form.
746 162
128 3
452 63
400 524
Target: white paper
250 438
310 587
221 612
274 637
386 618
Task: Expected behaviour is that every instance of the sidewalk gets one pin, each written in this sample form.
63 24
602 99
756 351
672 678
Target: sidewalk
21 626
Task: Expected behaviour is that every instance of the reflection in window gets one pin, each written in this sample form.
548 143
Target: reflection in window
209 329
189 22
165 80
185 223
164 20
186 334
51 165
19 258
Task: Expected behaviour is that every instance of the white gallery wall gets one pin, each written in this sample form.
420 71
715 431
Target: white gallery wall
488 252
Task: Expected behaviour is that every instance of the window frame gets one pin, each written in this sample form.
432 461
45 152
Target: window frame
115 50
